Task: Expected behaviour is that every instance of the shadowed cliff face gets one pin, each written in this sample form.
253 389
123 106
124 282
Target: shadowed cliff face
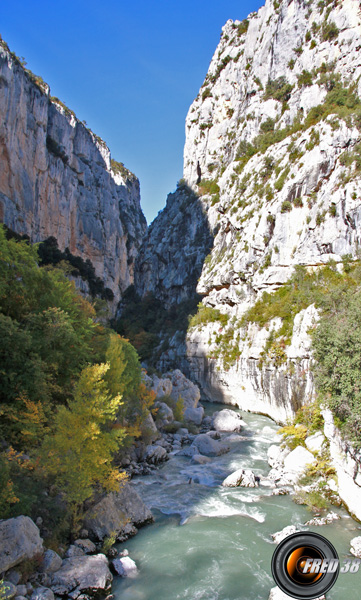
56 180
171 257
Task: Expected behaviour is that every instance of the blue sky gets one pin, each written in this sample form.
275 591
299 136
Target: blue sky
129 69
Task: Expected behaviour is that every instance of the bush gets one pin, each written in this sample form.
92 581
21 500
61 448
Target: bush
305 79
268 125
243 27
337 350
286 206
207 314
279 89
330 31
207 93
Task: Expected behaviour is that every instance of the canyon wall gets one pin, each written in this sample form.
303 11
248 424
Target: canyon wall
273 134
57 179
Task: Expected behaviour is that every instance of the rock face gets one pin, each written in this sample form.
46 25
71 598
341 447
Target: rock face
347 463
19 540
115 511
275 192
57 180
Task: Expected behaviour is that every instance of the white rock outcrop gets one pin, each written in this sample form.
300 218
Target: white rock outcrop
227 420
241 478
285 532
125 567
355 546
297 461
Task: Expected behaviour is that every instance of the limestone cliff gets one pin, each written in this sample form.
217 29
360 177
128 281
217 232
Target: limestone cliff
274 132
56 179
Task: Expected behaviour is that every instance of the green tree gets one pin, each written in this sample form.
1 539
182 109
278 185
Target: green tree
337 350
124 374
78 455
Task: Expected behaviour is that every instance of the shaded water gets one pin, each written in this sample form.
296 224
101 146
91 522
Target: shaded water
213 543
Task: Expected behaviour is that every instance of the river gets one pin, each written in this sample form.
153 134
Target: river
213 543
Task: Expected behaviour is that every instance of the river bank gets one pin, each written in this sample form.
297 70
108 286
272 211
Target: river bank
214 543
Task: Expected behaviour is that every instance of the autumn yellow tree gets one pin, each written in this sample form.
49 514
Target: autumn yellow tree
78 455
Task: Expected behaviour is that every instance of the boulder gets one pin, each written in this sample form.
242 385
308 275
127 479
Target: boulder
277 594
51 562
164 413
8 590
285 532
195 415
329 518
19 540
207 446
198 459
115 512
297 461
155 454
74 551
161 387
85 574
241 477
227 420
276 455
125 567
356 546
149 428
86 545
13 576
184 388
42 593
21 590
315 442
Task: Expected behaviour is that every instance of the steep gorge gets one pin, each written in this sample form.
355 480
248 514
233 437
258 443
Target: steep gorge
275 130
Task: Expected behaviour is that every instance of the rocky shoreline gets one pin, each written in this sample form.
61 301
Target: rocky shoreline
85 569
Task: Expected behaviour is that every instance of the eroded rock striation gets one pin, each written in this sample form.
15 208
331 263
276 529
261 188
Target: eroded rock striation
57 179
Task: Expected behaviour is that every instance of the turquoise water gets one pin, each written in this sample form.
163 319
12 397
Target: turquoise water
213 543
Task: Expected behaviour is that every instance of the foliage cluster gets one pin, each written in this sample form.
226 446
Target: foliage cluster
70 391
142 321
207 314
50 254
119 168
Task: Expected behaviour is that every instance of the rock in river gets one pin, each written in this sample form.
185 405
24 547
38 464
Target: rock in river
242 478
228 420
114 513
208 446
